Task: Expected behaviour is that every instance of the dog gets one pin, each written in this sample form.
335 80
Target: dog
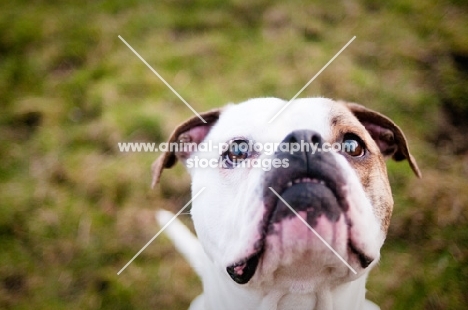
252 251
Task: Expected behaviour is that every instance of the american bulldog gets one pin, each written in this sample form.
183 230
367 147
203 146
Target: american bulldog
252 251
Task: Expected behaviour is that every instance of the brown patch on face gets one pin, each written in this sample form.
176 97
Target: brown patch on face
370 168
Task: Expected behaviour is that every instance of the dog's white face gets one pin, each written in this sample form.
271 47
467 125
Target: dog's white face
251 235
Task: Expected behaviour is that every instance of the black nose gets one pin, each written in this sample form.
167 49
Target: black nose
300 143
304 136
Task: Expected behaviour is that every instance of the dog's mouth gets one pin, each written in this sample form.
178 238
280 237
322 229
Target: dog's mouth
316 194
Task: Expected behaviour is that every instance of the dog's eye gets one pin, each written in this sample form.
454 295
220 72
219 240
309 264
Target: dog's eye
237 152
353 145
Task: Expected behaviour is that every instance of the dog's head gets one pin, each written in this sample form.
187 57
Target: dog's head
278 213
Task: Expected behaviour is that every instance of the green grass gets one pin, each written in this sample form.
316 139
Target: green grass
73 210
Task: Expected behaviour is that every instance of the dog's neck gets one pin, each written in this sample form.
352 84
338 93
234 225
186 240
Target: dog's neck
217 290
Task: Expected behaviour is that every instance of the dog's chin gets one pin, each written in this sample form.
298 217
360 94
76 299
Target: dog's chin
298 251
307 219
296 259
305 244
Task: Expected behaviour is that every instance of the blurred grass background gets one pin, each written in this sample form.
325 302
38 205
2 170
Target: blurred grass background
73 210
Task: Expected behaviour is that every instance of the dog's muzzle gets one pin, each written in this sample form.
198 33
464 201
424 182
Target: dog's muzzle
312 183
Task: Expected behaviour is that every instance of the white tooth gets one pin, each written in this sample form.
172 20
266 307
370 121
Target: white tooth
305 180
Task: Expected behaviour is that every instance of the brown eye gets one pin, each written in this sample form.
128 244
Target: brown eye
237 152
353 145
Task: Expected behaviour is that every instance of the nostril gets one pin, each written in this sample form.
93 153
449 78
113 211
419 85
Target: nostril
315 139
292 139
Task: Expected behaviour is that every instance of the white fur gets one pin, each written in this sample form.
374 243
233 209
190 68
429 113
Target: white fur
227 213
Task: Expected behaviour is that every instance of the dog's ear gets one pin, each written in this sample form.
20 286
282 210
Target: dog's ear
388 136
193 130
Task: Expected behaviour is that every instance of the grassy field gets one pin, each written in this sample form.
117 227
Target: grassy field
74 210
